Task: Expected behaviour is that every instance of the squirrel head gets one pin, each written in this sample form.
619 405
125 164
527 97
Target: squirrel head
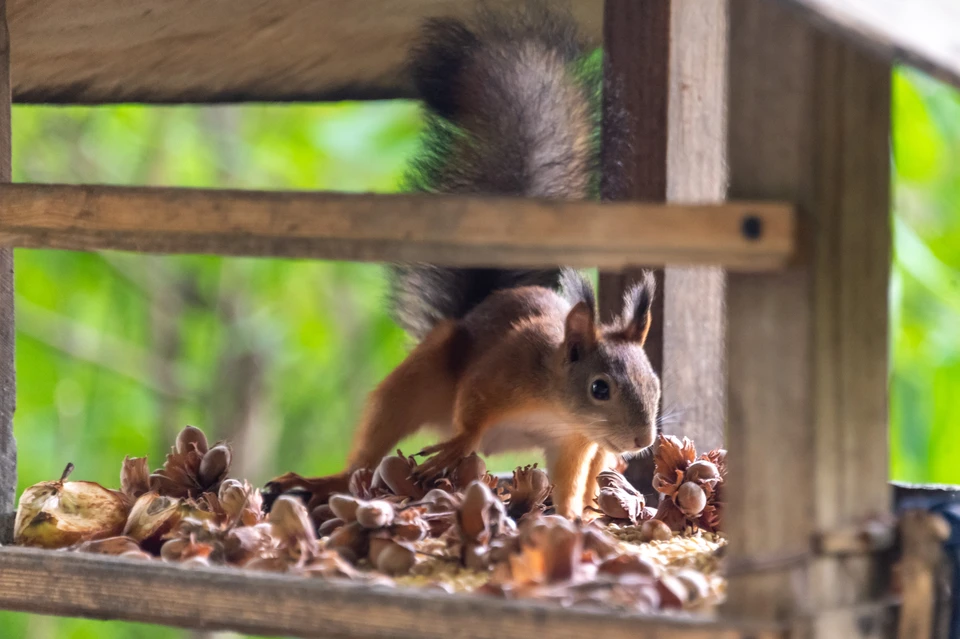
609 380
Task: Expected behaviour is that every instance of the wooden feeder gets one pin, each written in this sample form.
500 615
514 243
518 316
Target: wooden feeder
759 178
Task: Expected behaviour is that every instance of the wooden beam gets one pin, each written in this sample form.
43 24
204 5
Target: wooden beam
920 33
174 51
103 587
8 385
693 373
667 73
807 347
438 229
634 159
109 51
634 162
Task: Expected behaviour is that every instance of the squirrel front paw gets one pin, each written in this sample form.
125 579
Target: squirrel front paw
446 456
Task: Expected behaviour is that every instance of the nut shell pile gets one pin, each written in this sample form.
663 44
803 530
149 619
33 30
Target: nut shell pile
465 531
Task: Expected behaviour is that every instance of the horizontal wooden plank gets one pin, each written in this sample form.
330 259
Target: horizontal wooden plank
920 33
173 51
69 584
749 236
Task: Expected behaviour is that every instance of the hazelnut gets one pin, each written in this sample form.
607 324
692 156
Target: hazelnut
215 465
470 469
629 565
375 514
191 438
344 507
395 472
691 499
655 530
396 559
327 527
702 471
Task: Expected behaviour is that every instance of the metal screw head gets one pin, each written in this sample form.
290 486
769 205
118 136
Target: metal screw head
751 227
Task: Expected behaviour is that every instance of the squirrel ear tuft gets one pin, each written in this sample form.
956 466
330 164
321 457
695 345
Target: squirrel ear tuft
580 332
637 305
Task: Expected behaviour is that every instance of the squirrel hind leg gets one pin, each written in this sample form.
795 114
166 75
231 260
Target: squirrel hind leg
420 391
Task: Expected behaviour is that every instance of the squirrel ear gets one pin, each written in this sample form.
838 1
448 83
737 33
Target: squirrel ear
637 305
580 331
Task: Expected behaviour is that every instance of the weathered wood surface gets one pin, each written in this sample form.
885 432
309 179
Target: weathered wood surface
634 163
103 51
694 380
438 229
921 33
666 70
806 348
922 535
112 588
8 386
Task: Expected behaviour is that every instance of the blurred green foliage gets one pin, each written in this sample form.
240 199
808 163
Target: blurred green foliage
116 352
925 282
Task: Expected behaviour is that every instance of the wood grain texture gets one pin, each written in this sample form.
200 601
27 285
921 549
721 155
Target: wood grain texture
852 255
920 571
8 386
112 588
920 33
809 121
634 161
108 51
694 381
436 229
636 39
672 60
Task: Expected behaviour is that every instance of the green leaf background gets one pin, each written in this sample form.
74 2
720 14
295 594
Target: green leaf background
115 352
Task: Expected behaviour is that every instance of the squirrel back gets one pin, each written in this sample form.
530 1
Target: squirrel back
513 109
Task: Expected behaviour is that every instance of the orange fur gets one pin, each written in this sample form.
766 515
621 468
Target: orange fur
602 460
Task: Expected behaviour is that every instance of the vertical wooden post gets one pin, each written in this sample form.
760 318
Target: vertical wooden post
636 43
665 62
693 344
807 348
8 447
636 35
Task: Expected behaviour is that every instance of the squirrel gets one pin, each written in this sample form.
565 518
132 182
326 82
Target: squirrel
512 359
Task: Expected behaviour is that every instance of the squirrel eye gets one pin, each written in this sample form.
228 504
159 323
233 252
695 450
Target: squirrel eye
600 390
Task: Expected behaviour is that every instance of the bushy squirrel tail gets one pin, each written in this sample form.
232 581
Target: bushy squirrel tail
513 102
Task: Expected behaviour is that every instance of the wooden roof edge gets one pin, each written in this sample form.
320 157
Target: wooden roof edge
923 34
